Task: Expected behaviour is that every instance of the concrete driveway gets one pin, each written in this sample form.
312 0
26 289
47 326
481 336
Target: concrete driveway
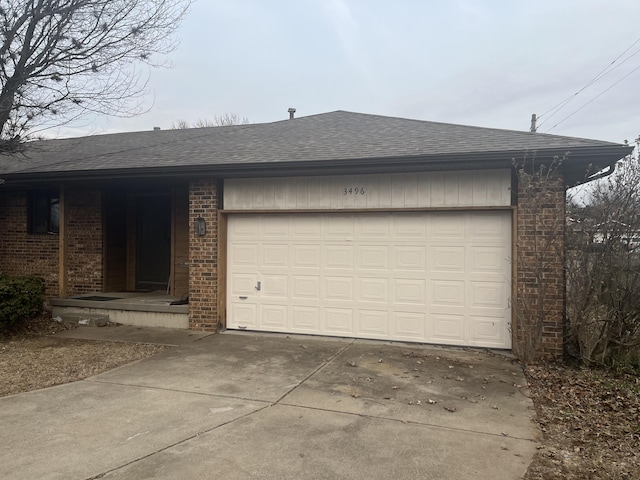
237 406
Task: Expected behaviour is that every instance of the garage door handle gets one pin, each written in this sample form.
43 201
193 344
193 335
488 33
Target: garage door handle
242 298
258 286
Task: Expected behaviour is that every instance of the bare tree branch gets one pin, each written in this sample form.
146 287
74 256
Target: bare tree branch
64 58
224 120
603 268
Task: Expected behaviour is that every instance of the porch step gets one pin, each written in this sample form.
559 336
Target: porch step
83 319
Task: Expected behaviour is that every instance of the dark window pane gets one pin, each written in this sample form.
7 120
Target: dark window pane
39 214
44 212
54 216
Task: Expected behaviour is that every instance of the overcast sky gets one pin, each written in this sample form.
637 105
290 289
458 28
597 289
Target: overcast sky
489 63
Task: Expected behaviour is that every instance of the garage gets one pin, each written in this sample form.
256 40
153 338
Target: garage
441 277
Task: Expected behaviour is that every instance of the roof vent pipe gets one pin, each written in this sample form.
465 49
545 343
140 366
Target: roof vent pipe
155 129
292 112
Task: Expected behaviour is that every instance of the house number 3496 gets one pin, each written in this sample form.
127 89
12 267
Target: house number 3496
353 191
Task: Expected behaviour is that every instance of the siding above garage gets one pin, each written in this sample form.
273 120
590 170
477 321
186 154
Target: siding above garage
486 188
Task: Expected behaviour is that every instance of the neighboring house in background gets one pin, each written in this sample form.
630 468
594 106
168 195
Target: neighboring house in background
340 224
597 235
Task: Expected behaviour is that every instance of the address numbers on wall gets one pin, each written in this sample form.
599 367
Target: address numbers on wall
353 191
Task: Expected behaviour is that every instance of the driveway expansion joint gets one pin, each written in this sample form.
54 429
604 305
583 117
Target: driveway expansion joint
135 385
410 422
174 444
316 370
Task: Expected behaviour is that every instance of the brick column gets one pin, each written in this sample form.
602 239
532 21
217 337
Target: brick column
84 241
540 303
203 256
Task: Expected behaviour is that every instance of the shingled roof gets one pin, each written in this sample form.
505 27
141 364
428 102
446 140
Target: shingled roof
335 142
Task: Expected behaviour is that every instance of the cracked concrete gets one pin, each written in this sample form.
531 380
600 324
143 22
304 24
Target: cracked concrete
239 406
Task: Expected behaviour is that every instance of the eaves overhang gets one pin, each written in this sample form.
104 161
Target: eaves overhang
579 163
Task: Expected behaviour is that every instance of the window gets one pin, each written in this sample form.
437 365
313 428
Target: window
44 212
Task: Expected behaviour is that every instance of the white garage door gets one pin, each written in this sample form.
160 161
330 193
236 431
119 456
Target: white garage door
419 277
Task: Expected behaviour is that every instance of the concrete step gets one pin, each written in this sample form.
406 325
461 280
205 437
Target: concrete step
83 319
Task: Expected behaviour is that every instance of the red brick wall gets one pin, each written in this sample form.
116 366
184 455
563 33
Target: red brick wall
540 304
84 227
25 254
21 253
203 256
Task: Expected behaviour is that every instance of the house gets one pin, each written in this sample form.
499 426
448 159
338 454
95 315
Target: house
340 224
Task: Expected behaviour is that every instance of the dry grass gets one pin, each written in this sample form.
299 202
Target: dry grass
32 359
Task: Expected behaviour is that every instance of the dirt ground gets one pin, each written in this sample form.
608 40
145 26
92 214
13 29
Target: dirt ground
589 419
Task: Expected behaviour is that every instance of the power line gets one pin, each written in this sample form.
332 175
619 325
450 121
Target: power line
606 70
594 98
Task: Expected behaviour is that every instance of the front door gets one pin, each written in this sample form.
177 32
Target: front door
153 241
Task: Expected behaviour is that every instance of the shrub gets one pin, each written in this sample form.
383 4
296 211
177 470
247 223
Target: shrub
603 270
21 298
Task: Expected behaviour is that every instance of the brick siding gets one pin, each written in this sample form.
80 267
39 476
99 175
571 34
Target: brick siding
540 265
84 227
203 256
22 253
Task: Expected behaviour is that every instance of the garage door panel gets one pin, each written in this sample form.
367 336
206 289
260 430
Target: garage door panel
305 319
339 227
338 321
243 284
339 257
426 277
447 328
244 315
373 323
447 259
409 227
373 257
409 326
305 287
275 287
487 294
371 289
447 293
275 256
447 226
305 256
409 258
339 289
243 254
487 227
410 291
306 226
372 227
277 227
486 331
245 226
274 317
487 259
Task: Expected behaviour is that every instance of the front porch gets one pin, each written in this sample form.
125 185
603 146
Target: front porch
143 309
